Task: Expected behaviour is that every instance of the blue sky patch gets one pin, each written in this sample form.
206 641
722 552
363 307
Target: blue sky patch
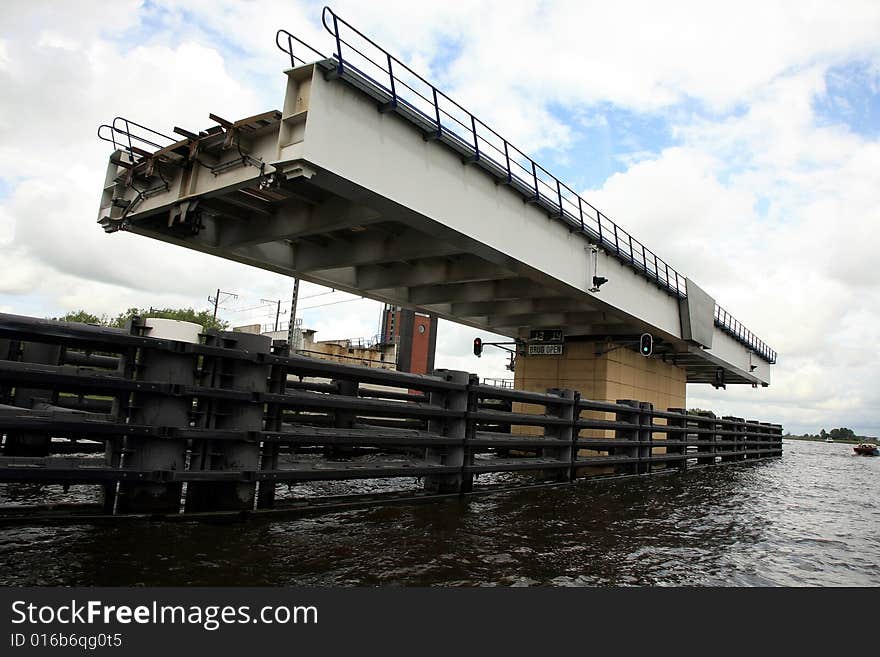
606 140
852 98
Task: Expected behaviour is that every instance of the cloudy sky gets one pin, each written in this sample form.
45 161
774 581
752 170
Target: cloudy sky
741 141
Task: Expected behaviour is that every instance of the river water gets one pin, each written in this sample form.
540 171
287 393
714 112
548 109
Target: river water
811 518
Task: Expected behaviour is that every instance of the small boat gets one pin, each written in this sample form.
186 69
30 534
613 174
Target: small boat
867 449
829 439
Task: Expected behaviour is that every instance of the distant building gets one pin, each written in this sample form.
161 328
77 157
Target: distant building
415 335
406 342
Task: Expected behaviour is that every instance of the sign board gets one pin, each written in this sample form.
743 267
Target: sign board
545 350
546 336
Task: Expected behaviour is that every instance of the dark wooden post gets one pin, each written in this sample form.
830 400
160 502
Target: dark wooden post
274 421
26 443
646 437
628 435
562 432
681 436
454 427
706 438
243 416
162 454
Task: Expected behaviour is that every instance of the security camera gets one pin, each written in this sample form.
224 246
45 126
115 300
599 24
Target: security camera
598 281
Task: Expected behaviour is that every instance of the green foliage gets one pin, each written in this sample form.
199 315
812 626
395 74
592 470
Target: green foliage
83 317
842 434
202 317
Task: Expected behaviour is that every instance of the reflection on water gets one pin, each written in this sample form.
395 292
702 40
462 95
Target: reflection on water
810 518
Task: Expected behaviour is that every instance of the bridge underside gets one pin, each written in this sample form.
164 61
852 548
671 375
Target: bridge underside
248 191
323 231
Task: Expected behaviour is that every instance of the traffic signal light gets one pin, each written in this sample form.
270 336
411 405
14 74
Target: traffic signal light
646 344
478 347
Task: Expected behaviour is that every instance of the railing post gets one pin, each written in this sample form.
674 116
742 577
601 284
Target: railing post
393 86
339 68
476 139
535 179
628 435
437 113
562 432
240 416
559 197
452 427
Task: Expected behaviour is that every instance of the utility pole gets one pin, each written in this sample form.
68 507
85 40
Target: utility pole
290 326
216 300
277 303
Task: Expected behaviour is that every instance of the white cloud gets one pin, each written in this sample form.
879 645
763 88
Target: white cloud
772 210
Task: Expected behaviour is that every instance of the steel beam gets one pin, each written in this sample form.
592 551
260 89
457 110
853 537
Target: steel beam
370 248
295 220
461 269
537 320
514 288
520 306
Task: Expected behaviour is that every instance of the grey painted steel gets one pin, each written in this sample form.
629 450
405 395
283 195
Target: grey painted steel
311 202
697 316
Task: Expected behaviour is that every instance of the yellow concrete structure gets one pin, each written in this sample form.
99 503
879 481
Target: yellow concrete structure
617 374
608 375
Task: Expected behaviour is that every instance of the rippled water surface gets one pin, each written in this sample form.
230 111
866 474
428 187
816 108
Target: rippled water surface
810 518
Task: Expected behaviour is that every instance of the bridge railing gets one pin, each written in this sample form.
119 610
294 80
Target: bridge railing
397 87
163 427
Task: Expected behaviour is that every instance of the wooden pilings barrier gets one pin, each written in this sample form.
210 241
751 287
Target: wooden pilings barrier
216 422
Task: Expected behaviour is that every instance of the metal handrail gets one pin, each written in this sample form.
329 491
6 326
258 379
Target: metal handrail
290 38
129 133
483 144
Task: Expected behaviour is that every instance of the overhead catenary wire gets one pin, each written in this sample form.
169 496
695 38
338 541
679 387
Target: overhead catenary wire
333 303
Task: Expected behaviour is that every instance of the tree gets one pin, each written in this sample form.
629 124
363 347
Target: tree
202 317
83 317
